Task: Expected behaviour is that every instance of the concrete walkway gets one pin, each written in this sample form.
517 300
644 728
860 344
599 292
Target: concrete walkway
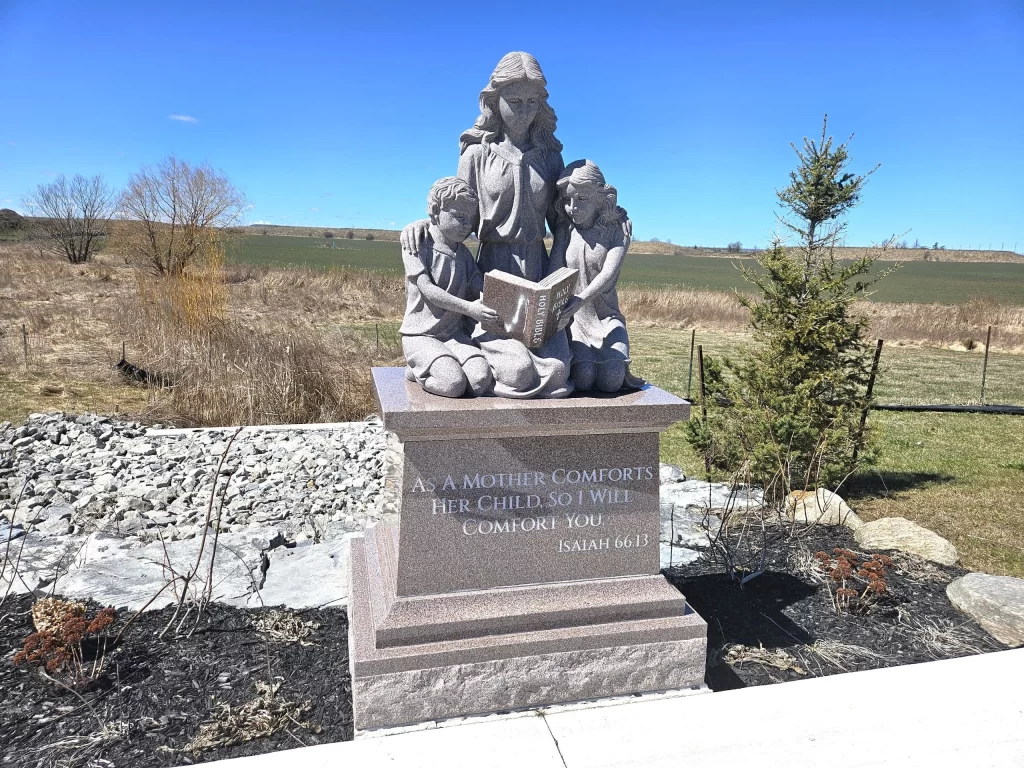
965 712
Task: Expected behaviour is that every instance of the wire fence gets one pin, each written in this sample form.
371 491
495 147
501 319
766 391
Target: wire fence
917 378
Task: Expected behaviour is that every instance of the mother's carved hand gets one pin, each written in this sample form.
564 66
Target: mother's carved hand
413 235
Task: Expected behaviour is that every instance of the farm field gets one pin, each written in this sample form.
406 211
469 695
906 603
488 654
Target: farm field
917 282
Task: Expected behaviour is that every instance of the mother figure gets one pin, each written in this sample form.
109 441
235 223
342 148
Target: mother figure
512 159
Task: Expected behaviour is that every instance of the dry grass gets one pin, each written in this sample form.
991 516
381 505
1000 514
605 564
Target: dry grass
960 327
275 358
242 345
682 308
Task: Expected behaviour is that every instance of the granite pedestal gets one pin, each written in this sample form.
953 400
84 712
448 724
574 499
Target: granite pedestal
523 568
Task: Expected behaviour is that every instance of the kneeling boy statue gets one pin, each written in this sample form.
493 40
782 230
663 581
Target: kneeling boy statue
443 286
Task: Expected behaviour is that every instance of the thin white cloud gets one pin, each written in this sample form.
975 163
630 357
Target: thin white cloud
315 210
11 143
262 222
8 200
183 118
391 224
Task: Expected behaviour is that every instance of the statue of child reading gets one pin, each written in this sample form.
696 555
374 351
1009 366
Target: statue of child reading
597 247
443 286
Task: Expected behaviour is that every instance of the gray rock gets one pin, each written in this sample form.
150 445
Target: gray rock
688 526
9 532
35 561
307 577
717 497
672 555
900 534
995 602
126 480
131 577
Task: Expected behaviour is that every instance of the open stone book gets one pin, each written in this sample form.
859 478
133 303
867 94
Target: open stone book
527 311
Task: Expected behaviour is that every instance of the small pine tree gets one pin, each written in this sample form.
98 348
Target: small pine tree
787 413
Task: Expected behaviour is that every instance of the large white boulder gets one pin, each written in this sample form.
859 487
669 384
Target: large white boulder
995 602
822 507
901 534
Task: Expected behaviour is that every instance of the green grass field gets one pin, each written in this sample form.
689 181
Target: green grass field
917 282
957 474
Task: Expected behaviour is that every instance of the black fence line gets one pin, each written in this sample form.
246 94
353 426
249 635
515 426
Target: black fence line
1006 410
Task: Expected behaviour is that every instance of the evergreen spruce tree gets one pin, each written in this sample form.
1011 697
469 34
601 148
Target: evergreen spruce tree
786 415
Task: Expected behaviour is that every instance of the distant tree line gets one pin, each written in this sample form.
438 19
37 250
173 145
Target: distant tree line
167 217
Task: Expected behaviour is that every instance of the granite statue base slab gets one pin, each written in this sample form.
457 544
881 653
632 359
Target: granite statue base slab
523 568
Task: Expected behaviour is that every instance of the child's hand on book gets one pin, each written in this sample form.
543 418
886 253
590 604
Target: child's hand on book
566 312
482 313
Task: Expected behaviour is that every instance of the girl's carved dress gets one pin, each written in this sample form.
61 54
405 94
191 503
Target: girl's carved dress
597 333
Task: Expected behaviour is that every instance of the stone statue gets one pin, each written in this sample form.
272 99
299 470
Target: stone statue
511 162
597 247
443 286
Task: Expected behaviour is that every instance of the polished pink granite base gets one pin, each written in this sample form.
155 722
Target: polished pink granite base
523 567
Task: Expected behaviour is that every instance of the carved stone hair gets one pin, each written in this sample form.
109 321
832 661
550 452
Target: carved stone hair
584 173
444 191
513 68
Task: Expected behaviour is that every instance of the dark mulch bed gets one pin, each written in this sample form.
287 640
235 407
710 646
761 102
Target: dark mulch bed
163 690
778 626
788 609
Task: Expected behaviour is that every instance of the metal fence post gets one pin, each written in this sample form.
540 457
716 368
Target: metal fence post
867 398
689 374
984 366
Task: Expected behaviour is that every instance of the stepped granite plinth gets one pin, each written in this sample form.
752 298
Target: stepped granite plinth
523 568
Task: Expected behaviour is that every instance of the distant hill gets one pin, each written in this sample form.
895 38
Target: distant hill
387 235
640 247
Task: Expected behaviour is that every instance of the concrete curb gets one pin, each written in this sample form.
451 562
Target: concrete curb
962 711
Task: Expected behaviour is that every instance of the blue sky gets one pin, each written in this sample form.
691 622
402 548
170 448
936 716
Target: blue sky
338 114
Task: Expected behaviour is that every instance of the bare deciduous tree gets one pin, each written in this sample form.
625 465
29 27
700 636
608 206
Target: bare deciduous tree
173 211
73 215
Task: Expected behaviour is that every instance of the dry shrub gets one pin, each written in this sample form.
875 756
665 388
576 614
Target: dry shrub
197 299
236 375
243 273
225 371
262 716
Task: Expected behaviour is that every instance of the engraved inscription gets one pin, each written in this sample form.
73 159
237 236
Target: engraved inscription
533 512
484 513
